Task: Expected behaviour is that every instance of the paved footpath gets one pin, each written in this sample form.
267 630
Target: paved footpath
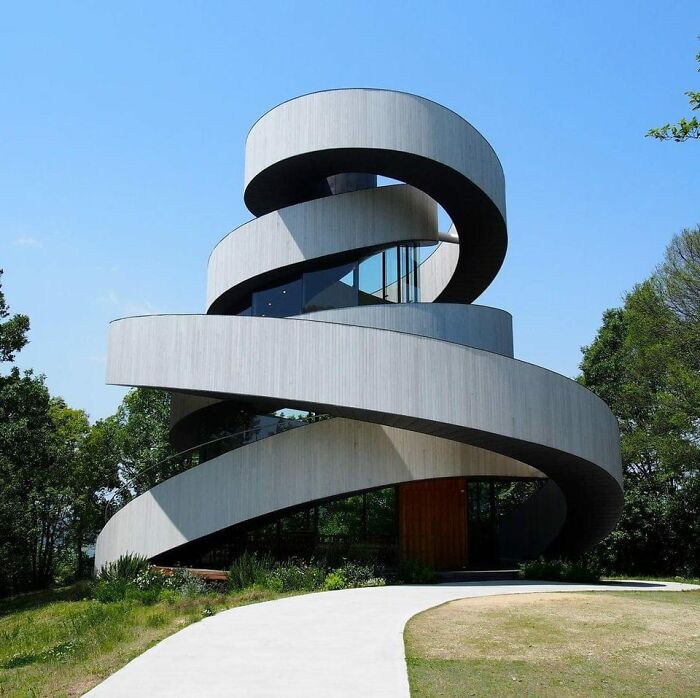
337 643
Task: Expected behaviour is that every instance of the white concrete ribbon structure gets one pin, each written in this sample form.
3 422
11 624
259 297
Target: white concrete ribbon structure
421 391
288 470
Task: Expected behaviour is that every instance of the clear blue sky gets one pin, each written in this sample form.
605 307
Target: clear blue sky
122 128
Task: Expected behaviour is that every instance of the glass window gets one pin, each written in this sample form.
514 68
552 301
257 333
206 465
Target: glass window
280 301
381 512
412 274
426 250
391 275
372 279
403 274
331 288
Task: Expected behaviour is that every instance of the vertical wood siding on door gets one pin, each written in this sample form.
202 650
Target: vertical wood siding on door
433 522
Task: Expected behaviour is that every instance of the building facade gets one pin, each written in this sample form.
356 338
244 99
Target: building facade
343 395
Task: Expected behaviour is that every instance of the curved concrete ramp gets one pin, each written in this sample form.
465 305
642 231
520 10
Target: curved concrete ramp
287 470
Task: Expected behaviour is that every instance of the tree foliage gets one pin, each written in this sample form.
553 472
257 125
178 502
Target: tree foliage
645 363
13 330
143 424
685 129
25 434
54 471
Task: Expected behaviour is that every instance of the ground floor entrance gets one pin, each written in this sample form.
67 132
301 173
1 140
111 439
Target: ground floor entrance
450 523
433 522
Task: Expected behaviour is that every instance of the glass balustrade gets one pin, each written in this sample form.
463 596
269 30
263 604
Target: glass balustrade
178 463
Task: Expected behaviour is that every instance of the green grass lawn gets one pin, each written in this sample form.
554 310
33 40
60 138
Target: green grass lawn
62 643
567 644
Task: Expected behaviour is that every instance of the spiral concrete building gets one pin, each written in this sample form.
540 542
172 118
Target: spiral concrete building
342 299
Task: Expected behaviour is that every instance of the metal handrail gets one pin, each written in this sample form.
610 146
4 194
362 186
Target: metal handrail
126 486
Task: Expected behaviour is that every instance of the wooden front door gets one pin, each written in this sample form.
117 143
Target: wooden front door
433 522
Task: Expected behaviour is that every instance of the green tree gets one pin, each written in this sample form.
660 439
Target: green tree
94 475
13 330
84 461
645 363
25 438
24 430
685 129
54 471
678 278
143 423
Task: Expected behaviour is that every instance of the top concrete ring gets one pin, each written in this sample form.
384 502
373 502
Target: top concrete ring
296 145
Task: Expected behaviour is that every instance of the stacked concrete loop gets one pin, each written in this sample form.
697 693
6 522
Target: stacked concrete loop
418 390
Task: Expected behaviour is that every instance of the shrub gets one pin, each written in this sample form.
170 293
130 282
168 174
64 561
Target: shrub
375 582
121 590
185 583
169 596
354 573
359 575
296 575
416 572
540 569
249 570
334 581
125 567
110 591
129 577
149 580
147 597
580 571
132 578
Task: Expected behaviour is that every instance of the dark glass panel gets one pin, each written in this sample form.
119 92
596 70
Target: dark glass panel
372 274
416 273
381 512
341 519
412 274
403 274
372 280
331 288
391 275
280 301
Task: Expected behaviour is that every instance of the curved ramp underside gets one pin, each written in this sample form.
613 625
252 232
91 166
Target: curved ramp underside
421 390
288 470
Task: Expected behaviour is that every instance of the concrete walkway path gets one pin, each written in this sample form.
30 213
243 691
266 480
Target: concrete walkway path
338 643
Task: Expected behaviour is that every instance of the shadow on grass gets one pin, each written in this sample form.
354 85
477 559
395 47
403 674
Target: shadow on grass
548 582
43 597
640 585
